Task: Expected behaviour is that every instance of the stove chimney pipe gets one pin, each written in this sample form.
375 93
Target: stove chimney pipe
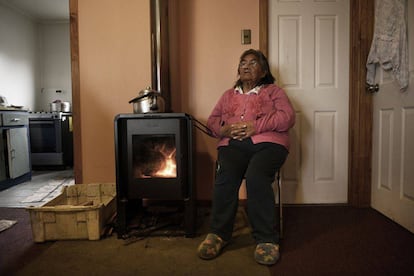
160 50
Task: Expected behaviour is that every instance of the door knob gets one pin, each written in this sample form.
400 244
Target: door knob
372 88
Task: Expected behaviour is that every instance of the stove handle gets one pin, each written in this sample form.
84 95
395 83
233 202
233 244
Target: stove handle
41 122
202 127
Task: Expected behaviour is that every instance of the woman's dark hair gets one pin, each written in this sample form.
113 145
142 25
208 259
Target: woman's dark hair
264 64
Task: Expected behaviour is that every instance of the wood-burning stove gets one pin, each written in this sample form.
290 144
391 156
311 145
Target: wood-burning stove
154 161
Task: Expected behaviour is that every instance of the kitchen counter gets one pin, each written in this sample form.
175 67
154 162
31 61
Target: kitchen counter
12 108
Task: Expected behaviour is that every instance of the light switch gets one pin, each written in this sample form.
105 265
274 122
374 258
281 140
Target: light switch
246 36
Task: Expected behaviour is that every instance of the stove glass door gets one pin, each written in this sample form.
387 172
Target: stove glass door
154 156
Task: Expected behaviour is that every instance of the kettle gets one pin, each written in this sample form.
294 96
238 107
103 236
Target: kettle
3 101
148 101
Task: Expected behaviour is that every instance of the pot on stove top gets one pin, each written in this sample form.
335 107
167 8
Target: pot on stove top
148 101
59 106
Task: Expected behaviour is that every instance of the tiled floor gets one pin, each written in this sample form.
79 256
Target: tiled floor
44 186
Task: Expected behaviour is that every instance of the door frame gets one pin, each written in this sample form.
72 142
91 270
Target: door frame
74 54
360 101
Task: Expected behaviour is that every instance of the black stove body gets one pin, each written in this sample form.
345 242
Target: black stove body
154 161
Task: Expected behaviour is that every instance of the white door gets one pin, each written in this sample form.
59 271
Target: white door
309 56
393 143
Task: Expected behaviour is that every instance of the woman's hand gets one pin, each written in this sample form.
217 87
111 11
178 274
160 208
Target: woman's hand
239 131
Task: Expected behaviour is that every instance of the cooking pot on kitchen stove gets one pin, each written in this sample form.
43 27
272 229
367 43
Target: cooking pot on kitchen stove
55 106
65 107
59 106
148 101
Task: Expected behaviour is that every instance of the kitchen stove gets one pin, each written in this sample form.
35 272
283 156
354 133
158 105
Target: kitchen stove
51 139
50 115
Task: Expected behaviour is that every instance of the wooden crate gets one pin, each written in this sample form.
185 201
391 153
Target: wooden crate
81 211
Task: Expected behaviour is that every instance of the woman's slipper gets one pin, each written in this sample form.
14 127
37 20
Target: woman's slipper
267 253
211 247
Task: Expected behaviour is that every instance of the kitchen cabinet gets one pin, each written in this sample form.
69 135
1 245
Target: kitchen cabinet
15 164
2 160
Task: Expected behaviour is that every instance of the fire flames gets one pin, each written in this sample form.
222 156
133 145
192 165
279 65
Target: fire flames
156 161
169 167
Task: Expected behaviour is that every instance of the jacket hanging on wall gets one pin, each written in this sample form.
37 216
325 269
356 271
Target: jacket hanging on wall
389 46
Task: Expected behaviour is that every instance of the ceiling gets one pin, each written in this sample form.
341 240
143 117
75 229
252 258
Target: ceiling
41 10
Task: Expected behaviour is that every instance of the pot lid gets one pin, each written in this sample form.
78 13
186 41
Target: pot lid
144 93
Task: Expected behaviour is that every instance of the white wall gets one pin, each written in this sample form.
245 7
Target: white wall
34 61
19 67
55 68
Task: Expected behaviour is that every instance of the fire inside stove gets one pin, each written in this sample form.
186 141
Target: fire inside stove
154 157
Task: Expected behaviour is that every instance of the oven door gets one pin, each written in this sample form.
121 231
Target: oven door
46 141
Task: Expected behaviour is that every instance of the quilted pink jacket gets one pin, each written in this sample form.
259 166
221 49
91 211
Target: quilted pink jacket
269 108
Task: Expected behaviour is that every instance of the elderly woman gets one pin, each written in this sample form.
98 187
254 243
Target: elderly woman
251 121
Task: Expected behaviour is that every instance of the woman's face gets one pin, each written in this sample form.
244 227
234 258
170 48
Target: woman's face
250 69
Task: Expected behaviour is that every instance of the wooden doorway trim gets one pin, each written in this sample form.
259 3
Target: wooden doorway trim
360 102
74 54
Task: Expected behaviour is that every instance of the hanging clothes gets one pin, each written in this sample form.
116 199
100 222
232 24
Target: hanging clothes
389 47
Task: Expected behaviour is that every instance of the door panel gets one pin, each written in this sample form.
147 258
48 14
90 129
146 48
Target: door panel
309 55
393 147
3 174
19 162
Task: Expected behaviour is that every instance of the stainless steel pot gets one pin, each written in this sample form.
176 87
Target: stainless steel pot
148 101
65 107
55 107
59 106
